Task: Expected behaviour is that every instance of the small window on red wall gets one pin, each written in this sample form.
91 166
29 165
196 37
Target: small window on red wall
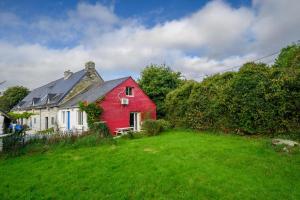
129 91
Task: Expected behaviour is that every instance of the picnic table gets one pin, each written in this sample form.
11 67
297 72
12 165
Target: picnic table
123 131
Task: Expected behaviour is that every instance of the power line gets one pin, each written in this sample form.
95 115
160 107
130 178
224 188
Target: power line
232 68
258 59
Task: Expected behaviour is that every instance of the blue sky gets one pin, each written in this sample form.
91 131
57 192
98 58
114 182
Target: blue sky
158 10
41 39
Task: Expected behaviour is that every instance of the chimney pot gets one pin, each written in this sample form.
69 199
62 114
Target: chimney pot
67 74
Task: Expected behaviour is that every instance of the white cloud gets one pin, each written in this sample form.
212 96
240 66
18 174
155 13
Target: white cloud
213 39
98 12
277 23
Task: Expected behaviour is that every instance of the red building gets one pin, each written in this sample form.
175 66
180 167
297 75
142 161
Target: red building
127 105
124 103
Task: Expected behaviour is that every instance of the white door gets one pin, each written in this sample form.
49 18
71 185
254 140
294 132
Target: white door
135 121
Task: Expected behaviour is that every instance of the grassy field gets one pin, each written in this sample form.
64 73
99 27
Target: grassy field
174 165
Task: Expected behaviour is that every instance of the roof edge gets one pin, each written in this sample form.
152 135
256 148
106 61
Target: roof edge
125 79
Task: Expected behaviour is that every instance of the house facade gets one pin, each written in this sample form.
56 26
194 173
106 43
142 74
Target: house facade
123 102
55 105
44 102
131 114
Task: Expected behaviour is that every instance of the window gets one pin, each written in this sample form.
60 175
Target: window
129 91
79 118
63 116
52 121
34 120
46 123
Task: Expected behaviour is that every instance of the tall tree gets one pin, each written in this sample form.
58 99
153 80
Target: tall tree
12 96
289 57
157 81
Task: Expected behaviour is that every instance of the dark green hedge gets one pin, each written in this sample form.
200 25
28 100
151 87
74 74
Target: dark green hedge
256 99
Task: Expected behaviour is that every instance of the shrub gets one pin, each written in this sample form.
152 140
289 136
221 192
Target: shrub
176 104
101 128
152 127
166 125
46 131
93 111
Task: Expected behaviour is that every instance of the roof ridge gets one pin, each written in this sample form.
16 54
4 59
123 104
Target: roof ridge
118 79
105 88
54 81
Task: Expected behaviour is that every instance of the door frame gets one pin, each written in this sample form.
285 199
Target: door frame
136 120
68 120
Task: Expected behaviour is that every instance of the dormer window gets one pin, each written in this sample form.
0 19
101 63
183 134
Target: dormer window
129 91
35 100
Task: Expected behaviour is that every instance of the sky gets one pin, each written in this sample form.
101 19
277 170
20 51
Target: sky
39 40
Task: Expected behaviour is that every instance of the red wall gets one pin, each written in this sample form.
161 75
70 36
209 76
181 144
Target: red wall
117 115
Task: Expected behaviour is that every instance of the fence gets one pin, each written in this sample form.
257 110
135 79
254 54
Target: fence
15 141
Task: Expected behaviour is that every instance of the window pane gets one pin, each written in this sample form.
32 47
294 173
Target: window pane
128 91
80 117
63 116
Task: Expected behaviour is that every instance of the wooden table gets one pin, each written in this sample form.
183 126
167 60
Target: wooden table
123 131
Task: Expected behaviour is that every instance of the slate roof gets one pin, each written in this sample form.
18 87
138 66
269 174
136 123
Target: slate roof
50 94
95 92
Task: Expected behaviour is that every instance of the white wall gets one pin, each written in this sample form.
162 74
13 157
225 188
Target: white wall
74 126
37 121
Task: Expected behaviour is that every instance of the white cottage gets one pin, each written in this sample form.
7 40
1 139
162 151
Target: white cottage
46 101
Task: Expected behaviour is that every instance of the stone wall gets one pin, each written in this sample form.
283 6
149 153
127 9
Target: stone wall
90 79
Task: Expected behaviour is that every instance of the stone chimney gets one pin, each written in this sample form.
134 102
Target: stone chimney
90 66
67 74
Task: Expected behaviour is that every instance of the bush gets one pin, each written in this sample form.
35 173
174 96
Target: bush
176 104
101 128
46 131
166 125
152 127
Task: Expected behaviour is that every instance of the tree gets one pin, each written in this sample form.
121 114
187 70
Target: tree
289 57
12 96
157 81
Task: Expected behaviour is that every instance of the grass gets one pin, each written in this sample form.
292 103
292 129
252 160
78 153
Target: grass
174 165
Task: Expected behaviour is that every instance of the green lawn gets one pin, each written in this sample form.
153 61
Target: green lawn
174 165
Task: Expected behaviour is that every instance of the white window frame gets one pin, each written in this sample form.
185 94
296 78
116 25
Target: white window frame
63 117
52 120
129 95
79 118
